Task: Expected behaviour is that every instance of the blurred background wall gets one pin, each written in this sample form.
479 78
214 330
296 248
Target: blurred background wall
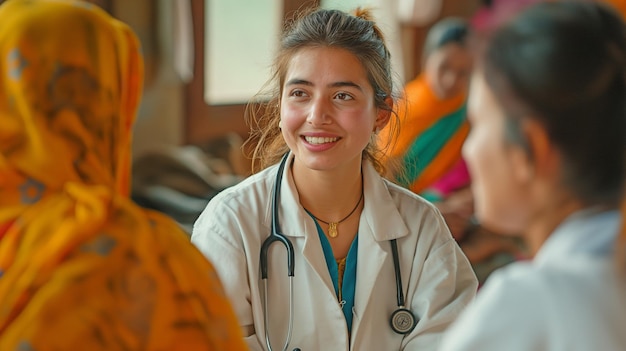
173 34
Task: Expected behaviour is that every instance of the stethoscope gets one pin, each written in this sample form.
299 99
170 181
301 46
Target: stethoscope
402 320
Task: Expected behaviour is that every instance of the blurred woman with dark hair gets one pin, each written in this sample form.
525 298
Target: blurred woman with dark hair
547 156
426 158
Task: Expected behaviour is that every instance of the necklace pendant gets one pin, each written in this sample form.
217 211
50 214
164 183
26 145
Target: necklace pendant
332 229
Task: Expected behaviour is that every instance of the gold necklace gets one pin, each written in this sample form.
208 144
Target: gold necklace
332 226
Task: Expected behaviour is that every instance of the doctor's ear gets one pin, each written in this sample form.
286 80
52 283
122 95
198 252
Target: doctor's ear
384 114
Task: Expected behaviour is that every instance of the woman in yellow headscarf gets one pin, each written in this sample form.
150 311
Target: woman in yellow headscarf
81 266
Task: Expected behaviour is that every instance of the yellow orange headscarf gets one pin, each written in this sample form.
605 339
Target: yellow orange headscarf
81 266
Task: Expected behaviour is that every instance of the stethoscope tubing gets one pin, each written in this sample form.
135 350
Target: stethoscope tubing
266 316
276 235
396 266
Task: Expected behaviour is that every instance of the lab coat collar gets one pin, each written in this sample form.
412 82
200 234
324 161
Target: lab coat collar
380 217
588 232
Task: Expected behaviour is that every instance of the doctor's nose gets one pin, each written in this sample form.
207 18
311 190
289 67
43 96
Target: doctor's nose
319 112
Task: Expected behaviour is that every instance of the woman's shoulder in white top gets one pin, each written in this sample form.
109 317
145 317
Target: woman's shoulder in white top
565 299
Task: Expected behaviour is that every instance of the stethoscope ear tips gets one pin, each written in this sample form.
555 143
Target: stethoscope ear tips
403 321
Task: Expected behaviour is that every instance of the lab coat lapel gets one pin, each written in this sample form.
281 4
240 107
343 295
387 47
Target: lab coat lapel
314 255
371 257
380 223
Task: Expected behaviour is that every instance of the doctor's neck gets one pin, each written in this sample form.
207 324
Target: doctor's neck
327 193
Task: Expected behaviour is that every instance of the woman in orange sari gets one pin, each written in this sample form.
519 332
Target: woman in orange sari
427 156
81 266
432 111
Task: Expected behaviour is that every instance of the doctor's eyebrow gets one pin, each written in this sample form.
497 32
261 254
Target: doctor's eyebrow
297 81
345 84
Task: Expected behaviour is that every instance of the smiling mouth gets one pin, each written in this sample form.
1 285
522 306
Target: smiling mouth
319 140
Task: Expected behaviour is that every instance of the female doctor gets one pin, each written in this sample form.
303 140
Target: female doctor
321 194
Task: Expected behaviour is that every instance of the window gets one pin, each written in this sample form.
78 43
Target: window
241 37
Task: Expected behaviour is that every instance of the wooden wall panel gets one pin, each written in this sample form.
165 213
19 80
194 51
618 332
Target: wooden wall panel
204 122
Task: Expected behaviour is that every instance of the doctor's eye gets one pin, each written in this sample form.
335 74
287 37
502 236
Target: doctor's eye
298 93
344 96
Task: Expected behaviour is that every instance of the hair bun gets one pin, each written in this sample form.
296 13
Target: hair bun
364 13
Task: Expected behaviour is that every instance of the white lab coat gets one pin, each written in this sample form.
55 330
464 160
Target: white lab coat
569 298
438 281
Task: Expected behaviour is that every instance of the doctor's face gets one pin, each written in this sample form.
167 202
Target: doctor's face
500 192
327 108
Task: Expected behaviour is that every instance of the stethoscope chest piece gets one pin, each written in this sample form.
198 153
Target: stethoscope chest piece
403 321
